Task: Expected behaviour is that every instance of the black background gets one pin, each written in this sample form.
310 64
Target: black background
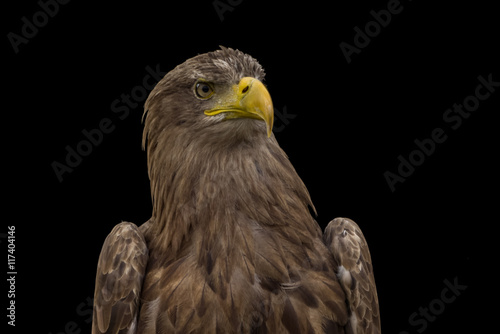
351 123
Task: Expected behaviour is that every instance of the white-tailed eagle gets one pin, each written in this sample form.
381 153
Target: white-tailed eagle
231 246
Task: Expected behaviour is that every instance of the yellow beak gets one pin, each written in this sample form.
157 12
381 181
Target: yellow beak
248 99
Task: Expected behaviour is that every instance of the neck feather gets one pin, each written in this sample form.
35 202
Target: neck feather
198 184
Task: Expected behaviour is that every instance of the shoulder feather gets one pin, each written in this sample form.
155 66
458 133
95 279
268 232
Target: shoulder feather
355 272
120 273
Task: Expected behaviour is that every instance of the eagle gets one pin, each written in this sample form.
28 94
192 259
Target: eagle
231 245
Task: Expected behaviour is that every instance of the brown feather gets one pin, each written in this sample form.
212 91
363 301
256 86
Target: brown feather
350 250
119 278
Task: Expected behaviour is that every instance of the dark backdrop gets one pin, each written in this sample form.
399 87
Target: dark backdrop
347 119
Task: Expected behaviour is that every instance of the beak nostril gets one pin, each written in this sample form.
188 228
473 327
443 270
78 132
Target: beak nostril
245 89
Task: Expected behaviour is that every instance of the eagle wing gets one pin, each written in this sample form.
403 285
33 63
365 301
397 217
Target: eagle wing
348 245
120 274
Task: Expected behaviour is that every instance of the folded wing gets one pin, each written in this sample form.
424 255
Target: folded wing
119 278
348 245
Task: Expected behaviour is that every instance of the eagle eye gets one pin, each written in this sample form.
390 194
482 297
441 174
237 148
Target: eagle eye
203 90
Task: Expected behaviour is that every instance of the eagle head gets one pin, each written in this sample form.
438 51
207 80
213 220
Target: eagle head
217 94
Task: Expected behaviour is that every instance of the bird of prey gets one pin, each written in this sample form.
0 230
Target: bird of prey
231 246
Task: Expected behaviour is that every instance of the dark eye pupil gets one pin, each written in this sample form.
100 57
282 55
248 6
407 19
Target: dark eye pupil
203 90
